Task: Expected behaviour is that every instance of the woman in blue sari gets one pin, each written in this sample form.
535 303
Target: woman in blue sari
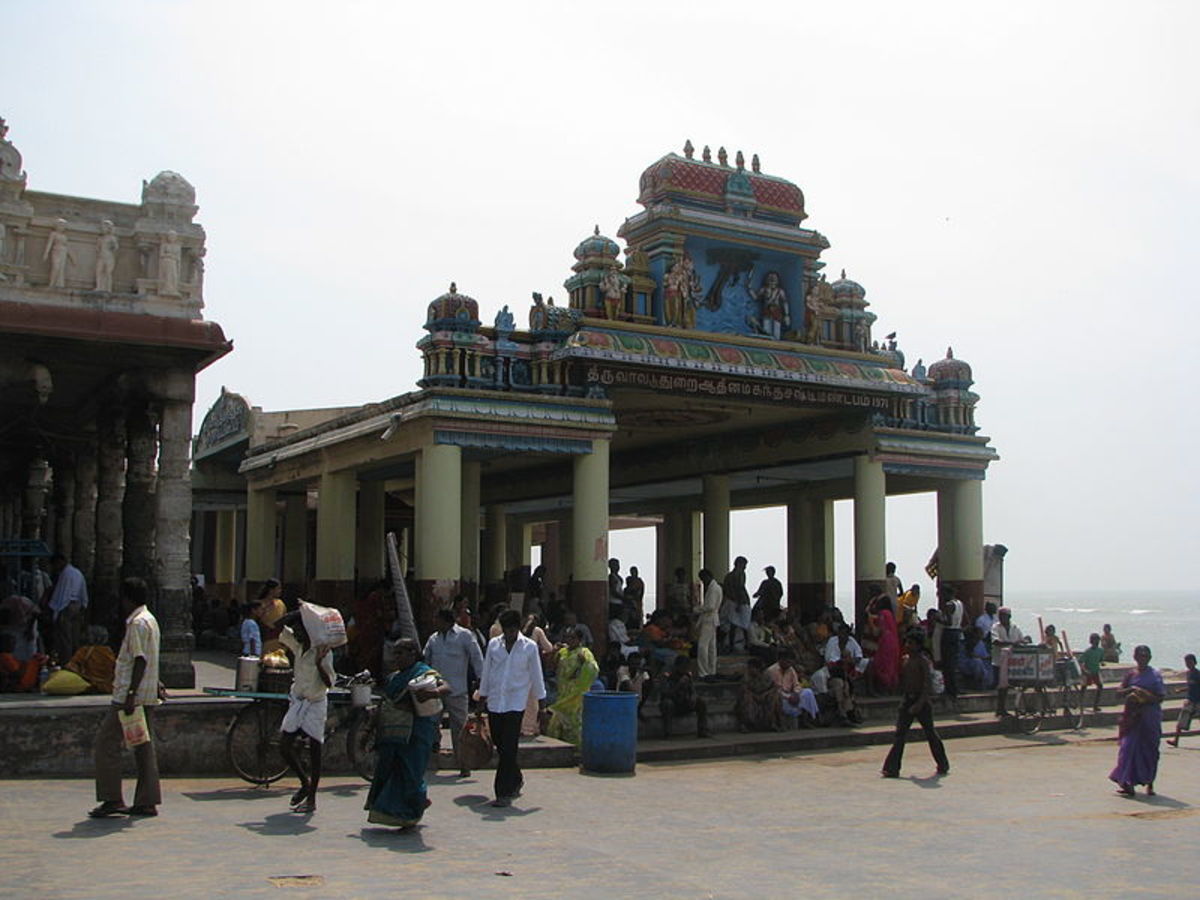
1140 727
403 741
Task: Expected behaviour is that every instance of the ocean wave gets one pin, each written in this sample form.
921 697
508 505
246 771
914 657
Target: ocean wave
1069 609
1143 612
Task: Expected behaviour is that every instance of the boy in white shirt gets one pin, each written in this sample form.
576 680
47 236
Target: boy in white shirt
308 706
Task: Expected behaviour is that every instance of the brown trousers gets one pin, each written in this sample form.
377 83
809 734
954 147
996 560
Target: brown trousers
110 741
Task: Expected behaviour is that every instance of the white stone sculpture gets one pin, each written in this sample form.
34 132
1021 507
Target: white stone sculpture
58 251
106 256
169 255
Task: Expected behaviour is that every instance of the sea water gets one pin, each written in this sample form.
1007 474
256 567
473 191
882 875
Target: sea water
1168 622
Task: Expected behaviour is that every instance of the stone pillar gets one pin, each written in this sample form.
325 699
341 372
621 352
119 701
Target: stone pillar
967 571
334 583
64 501
83 533
295 541
870 535
138 511
368 551
260 537
495 557
810 557
33 510
438 530
469 532
947 548
589 542
110 477
173 515
716 525
225 569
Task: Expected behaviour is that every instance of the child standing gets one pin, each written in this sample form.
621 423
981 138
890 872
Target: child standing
1089 662
1191 706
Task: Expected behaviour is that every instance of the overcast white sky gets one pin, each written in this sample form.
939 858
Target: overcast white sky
1015 179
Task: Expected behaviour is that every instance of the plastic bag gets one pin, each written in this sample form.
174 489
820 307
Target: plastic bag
133 726
325 626
475 744
64 682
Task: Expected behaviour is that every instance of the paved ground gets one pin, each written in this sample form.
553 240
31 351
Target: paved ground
1016 816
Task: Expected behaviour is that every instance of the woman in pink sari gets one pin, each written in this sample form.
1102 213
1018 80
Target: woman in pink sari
885 664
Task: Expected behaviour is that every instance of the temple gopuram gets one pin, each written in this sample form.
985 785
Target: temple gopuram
101 337
708 366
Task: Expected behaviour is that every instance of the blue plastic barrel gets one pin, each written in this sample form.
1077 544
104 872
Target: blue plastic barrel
609 731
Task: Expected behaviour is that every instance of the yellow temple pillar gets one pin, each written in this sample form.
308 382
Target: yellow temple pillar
334 583
469 531
715 497
225 574
810 556
589 541
966 525
438 529
260 537
496 543
870 535
369 538
295 540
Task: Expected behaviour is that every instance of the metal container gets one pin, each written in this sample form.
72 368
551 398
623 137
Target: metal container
360 695
274 681
247 673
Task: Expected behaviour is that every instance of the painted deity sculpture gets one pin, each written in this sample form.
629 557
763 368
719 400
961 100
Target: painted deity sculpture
773 306
817 304
58 251
106 256
682 290
169 255
613 286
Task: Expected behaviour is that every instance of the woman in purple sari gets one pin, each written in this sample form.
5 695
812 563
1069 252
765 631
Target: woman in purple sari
1140 728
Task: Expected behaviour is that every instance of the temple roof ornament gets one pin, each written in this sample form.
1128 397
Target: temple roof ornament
10 157
597 245
453 311
703 184
950 372
845 289
688 149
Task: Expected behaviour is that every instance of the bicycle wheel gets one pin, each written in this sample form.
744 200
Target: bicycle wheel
1072 701
252 742
360 744
1029 710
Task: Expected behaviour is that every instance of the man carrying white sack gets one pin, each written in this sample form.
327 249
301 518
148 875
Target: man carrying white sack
308 705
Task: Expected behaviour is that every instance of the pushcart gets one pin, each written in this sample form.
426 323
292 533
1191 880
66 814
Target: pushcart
1043 685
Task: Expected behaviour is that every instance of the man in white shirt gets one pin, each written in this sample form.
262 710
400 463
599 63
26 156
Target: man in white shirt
308 707
844 662
135 684
1005 635
951 642
710 610
68 600
512 668
453 651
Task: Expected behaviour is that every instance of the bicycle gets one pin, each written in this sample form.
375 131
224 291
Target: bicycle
1035 701
252 738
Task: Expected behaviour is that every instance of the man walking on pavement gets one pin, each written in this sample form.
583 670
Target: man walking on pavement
453 651
135 684
512 668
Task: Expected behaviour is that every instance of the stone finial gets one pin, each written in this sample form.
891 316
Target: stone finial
688 149
707 154
453 288
754 166
723 157
596 231
949 353
740 161
3 129
843 274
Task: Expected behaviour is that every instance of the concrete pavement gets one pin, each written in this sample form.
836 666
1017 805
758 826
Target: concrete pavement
1018 815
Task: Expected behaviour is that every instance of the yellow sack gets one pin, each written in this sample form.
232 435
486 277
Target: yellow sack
65 683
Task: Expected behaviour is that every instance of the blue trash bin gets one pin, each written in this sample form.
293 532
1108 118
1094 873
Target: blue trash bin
610 728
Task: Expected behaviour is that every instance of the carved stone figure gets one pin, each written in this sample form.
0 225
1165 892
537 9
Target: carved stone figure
860 335
613 286
773 306
918 371
106 256
504 321
58 251
681 291
816 304
169 256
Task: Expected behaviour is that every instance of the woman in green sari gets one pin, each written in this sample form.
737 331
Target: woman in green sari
577 670
404 740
